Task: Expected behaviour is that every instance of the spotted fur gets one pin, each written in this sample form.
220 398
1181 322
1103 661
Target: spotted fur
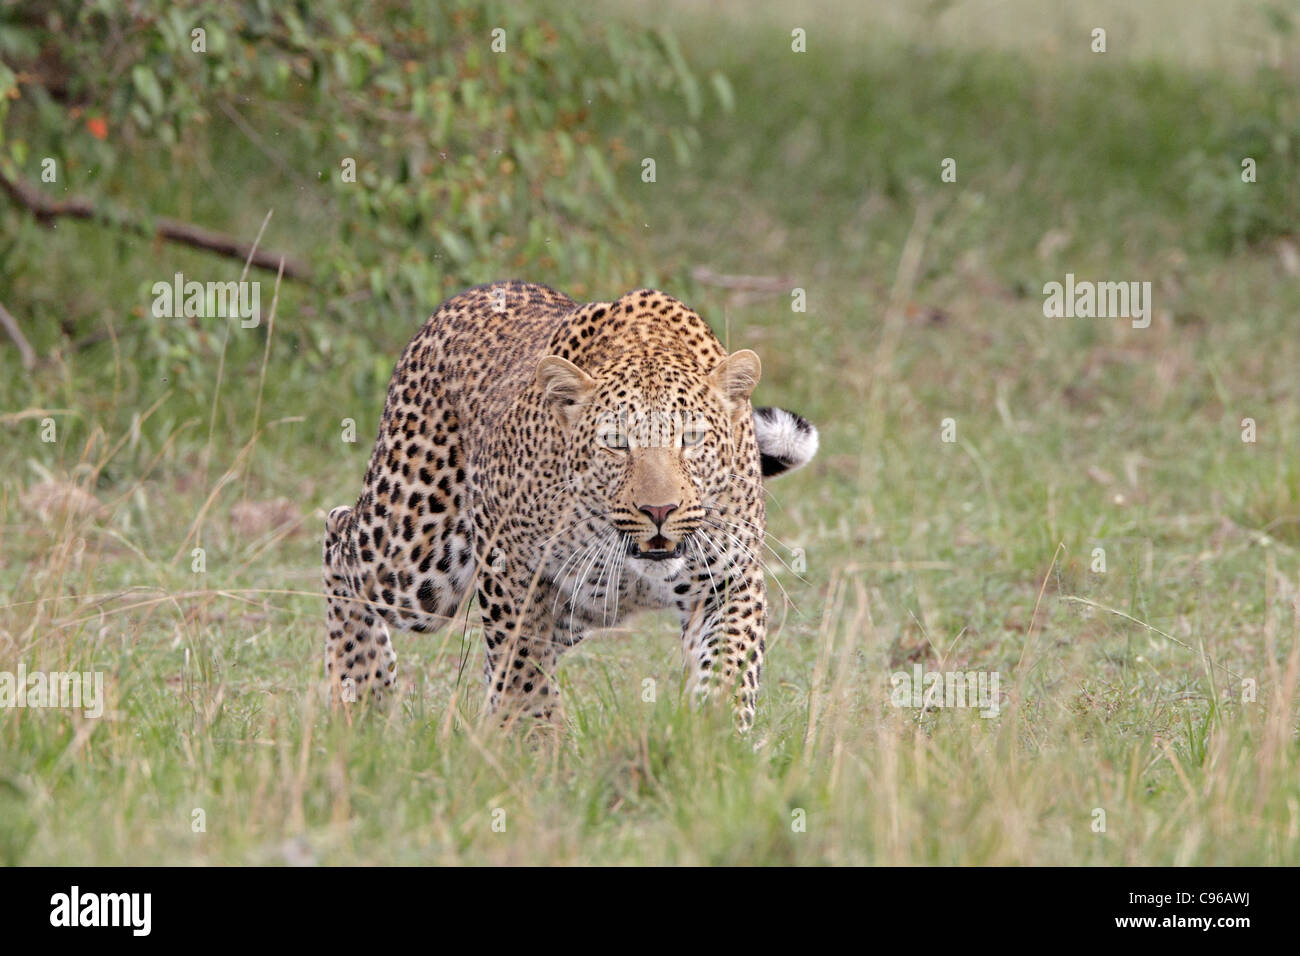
571 464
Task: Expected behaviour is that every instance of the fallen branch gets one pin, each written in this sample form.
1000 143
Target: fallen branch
46 209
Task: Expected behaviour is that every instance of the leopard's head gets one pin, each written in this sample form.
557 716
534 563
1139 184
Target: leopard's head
652 444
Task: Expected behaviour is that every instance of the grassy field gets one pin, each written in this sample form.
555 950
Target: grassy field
1149 709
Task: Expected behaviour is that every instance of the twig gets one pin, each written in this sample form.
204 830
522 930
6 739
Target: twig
24 347
1155 630
46 209
237 118
266 357
225 344
706 276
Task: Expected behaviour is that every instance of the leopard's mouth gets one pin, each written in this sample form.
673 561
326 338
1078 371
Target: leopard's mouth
657 548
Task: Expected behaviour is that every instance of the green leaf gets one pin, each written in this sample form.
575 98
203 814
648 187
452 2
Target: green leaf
456 247
146 84
141 116
726 96
600 171
685 78
681 149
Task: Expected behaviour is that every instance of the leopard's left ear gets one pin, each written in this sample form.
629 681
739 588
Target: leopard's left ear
565 387
735 377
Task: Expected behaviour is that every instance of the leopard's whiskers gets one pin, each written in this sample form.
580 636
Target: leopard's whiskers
596 550
621 555
741 525
708 569
561 576
753 556
609 577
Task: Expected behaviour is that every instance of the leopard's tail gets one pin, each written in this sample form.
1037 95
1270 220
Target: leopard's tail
786 440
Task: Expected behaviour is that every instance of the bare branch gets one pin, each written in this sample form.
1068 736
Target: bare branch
46 209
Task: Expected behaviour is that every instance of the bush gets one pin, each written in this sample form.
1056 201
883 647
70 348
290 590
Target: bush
488 140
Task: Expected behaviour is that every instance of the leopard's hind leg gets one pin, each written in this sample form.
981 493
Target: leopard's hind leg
359 655
403 556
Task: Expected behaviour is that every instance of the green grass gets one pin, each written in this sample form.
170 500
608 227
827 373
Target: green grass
1124 688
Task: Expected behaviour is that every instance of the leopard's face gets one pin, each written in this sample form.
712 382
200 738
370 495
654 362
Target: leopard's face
650 450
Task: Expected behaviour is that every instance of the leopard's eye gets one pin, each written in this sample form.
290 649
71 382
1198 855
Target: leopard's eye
693 436
614 440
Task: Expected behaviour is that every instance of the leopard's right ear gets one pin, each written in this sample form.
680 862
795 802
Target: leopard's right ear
565 387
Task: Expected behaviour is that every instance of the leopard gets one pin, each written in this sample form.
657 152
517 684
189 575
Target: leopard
567 465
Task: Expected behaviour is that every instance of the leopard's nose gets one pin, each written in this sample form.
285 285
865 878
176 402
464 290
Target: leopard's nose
657 513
